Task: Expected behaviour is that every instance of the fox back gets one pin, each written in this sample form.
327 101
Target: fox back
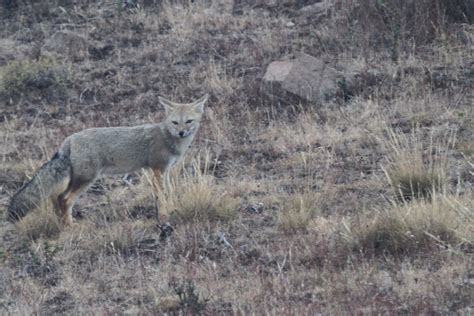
112 150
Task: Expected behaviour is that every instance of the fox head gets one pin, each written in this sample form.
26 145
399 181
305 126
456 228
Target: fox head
182 119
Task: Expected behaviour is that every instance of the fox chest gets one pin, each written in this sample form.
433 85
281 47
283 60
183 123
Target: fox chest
163 161
168 153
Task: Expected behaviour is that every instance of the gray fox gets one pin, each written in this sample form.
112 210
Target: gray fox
85 155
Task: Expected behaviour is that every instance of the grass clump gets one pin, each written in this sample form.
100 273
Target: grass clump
297 211
24 77
90 241
41 223
189 298
126 238
422 225
191 195
413 169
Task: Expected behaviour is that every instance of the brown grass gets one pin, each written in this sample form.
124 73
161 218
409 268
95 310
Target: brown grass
440 223
415 169
298 210
43 224
190 195
25 78
361 205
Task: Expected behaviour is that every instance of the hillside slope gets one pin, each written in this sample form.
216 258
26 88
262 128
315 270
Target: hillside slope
360 204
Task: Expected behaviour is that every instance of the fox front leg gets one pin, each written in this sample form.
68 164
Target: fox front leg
158 183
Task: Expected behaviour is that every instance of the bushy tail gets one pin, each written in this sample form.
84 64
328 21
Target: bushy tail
52 178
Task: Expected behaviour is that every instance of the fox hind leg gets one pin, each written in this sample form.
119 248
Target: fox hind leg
56 205
65 201
65 208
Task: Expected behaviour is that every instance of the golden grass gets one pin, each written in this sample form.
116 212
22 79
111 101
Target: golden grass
191 194
124 238
40 223
298 210
415 169
310 173
442 222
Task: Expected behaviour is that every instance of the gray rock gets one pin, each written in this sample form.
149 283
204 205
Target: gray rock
307 78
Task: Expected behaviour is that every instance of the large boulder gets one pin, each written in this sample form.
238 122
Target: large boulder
305 79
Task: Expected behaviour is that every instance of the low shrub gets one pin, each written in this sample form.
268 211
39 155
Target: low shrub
442 222
27 77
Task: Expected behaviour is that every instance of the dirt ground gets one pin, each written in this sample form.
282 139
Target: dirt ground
360 205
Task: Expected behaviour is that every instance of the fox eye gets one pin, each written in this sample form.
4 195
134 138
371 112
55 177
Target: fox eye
189 121
174 122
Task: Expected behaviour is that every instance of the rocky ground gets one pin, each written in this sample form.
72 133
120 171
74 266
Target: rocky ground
332 173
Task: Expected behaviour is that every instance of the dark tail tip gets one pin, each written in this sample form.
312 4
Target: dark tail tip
13 217
15 212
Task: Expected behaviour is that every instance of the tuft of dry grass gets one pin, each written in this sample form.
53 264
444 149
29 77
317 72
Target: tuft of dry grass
124 238
414 169
442 222
41 223
298 210
191 194
283 165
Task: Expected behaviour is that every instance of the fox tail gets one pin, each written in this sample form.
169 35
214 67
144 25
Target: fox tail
51 179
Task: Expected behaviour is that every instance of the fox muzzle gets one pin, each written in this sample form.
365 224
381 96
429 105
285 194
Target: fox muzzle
184 133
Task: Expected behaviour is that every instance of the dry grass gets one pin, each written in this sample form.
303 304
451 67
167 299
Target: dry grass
191 194
360 205
441 222
24 78
415 169
298 210
44 223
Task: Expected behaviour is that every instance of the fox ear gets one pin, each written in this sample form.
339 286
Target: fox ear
169 105
199 104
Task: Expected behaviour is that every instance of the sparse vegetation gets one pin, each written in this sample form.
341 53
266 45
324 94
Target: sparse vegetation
360 205
44 224
298 210
189 299
26 77
191 195
415 170
439 223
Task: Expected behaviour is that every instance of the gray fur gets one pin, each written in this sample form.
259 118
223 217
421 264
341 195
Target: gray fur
50 178
85 155
120 150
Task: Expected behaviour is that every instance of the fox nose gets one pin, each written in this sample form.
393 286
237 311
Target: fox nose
181 134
